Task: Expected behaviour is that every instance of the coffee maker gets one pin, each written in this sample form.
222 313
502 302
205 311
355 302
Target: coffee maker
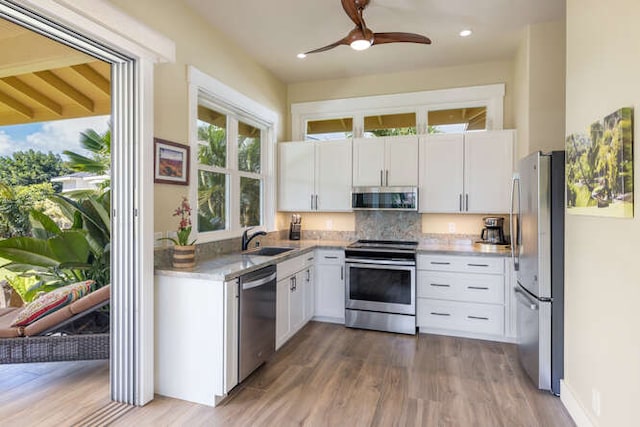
493 231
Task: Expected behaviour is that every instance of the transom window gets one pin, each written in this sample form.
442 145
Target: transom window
415 113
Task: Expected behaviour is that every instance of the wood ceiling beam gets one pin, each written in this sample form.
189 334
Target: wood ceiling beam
66 89
93 77
16 105
32 93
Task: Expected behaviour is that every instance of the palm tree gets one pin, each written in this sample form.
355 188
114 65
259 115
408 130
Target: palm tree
100 148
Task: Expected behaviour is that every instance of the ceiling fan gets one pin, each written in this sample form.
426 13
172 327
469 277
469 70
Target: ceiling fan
361 37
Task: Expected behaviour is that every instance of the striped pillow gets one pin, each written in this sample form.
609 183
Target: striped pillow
51 301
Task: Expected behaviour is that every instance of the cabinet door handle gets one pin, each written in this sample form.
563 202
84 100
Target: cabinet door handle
312 202
466 202
460 201
316 202
440 285
387 177
341 272
291 283
310 259
439 314
330 257
478 265
477 318
440 263
308 275
381 184
480 288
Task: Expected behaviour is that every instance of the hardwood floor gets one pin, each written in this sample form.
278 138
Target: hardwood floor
328 375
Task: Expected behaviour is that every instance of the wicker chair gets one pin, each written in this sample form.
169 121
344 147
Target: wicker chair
45 340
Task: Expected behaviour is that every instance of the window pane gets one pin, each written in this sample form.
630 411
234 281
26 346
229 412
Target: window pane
324 130
249 202
212 194
248 148
390 125
458 120
212 137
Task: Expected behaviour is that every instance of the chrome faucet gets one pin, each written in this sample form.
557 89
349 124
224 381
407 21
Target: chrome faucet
246 239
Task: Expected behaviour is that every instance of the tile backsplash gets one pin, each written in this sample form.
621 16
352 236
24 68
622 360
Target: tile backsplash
388 225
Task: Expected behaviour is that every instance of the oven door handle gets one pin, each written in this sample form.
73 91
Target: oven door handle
367 263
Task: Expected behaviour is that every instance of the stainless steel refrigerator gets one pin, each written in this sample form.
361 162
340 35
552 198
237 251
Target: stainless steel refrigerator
537 224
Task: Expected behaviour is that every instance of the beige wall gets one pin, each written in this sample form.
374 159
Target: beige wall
539 88
410 81
198 44
602 266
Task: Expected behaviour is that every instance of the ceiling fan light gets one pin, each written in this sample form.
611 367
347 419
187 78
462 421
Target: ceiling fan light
301 56
465 33
360 44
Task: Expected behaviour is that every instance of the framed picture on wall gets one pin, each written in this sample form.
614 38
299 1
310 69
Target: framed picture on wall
171 162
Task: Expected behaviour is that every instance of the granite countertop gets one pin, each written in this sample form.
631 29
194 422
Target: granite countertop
230 266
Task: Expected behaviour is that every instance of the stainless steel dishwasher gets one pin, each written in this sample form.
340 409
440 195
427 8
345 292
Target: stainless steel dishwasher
257 329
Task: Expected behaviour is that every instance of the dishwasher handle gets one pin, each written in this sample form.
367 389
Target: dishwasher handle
259 282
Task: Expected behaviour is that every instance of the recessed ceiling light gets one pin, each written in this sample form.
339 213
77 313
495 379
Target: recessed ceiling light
465 33
301 55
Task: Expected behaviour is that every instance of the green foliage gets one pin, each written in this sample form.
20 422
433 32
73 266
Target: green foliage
55 257
30 167
394 131
100 148
17 202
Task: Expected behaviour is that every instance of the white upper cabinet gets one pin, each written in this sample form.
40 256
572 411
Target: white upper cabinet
468 172
333 175
296 177
315 176
441 173
390 161
368 161
488 171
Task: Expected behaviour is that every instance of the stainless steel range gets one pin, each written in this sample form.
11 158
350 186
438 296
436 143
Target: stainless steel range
381 285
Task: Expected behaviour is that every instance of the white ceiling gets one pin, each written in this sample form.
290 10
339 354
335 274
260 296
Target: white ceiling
274 31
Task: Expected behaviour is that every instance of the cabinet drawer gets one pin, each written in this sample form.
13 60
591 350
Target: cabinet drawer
460 316
474 264
485 288
325 256
291 266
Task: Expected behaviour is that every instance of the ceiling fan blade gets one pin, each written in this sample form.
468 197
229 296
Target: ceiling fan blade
380 38
352 7
329 46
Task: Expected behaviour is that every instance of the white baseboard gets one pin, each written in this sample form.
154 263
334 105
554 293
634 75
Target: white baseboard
574 407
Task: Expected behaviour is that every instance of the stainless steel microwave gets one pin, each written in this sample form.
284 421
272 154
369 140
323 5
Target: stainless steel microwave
385 198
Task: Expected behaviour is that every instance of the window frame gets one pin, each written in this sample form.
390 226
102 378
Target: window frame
209 92
420 103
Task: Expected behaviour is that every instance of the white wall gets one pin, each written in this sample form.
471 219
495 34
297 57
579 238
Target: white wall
198 44
539 92
602 273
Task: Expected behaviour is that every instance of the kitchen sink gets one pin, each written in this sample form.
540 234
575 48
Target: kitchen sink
269 250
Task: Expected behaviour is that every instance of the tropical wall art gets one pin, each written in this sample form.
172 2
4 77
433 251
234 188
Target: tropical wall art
599 167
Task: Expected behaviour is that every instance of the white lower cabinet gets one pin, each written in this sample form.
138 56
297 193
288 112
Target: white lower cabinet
294 296
196 337
329 286
463 296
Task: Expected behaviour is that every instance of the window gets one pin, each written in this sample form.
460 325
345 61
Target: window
233 150
328 129
415 113
229 171
390 125
457 120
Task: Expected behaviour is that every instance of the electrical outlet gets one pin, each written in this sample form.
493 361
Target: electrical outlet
452 227
595 401
329 224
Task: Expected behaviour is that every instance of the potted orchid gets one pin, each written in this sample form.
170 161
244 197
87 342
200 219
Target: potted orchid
184 251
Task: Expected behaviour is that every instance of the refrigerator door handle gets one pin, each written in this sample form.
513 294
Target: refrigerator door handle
515 232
